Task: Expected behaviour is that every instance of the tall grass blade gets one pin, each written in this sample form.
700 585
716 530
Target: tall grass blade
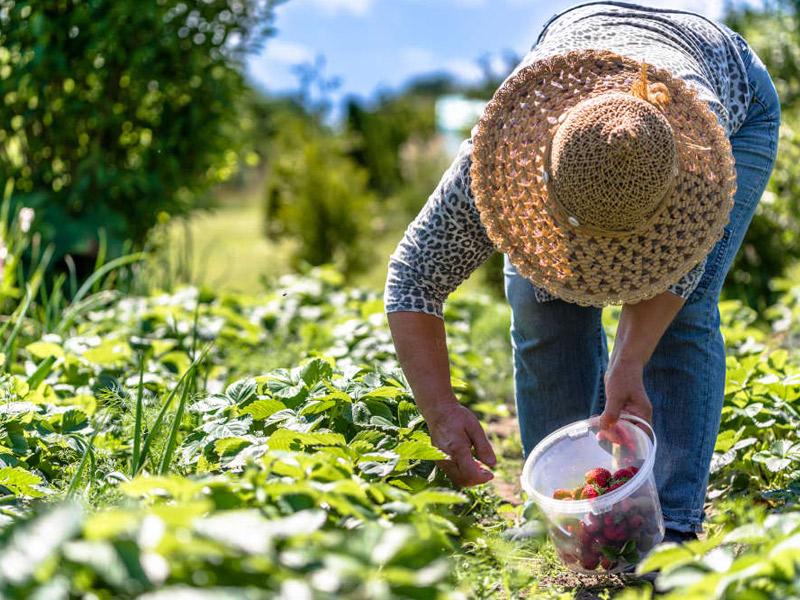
101 255
101 272
148 440
86 455
42 371
176 425
137 427
20 319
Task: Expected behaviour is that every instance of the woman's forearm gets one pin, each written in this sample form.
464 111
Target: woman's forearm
642 325
421 346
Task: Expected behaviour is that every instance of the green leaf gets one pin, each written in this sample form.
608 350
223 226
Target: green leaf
241 391
224 428
42 350
264 408
383 392
419 451
286 439
666 558
436 496
19 481
314 407
406 411
315 370
229 446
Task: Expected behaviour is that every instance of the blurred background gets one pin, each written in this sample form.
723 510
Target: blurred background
238 140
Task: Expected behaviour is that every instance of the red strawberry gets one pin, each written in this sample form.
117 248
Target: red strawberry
593 526
614 486
589 491
635 521
633 470
607 564
589 561
623 474
627 505
615 533
562 495
598 476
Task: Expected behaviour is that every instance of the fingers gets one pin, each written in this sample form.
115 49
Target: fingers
637 404
611 413
483 448
463 470
456 437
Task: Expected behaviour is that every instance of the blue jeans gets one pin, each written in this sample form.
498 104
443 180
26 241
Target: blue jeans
560 352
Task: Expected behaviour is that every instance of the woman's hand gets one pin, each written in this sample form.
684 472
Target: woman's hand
455 430
421 347
641 326
624 382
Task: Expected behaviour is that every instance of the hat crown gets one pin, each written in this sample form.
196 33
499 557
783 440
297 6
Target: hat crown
612 162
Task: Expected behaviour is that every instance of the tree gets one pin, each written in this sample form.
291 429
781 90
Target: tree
117 112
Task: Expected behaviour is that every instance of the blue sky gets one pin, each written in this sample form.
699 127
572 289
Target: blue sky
381 44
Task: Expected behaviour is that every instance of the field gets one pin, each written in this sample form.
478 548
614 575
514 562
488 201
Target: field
201 444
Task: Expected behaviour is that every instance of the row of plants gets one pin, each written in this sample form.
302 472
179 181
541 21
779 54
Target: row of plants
197 444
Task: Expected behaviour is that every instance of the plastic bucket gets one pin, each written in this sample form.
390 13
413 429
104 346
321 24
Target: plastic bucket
615 530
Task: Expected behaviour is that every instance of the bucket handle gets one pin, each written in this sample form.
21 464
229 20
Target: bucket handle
641 421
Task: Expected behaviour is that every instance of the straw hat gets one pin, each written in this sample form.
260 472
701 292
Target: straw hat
603 179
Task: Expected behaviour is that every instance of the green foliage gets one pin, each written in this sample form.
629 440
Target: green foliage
383 129
114 112
772 242
317 193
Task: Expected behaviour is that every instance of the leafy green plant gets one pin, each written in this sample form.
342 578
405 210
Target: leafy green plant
125 116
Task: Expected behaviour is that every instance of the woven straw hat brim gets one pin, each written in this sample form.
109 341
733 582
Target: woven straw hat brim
579 266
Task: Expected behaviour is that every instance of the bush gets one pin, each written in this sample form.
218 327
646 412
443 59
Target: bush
317 193
116 110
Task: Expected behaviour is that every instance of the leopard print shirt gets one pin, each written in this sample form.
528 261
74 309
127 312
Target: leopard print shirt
446 242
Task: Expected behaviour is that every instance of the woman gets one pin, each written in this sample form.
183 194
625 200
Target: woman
621 162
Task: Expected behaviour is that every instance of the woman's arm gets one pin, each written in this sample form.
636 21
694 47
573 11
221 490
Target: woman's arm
421 346
641 326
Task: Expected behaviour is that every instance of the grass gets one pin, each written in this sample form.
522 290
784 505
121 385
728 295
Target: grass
226 246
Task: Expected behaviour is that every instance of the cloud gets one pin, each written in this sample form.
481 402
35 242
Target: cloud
417 60
465 70
273 67
287 53
358 8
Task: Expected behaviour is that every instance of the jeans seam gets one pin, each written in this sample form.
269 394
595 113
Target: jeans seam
602 384
754 98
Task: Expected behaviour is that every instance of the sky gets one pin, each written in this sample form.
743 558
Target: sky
374 45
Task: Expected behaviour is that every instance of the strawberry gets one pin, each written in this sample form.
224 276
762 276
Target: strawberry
623 474
607 564
614 533
589 561
589 491
635 521
562 494
576 493
598 477
593 526
614 486
627 505
633 470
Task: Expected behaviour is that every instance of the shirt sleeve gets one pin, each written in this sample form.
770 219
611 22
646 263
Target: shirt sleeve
441 247
687 284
